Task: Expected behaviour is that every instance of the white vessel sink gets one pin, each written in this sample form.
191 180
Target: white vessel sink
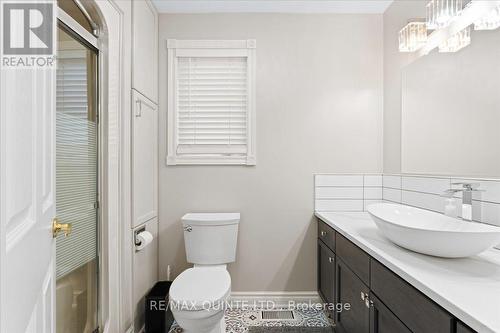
431 233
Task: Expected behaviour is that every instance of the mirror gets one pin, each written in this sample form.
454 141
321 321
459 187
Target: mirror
450 122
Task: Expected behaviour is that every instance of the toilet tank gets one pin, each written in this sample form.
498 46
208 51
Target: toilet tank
210 238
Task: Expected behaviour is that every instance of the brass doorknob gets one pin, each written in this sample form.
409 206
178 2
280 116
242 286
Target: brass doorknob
58 227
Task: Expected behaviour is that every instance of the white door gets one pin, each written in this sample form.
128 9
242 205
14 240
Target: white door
27 200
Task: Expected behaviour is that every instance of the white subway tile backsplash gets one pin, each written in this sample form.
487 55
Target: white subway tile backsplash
423 200
372 193
346 192
391 194
392 181
356 192
339 180
425 184
339 193
488 190
373 181
367 203
486 212
333 205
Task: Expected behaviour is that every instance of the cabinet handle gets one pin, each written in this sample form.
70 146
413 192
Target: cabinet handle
330 259
368 302
323 233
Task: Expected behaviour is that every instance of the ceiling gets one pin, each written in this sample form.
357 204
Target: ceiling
272 6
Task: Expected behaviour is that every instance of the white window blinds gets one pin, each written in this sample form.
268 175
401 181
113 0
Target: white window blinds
212 104
211 107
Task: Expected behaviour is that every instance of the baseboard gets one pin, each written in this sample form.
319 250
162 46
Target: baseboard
278 298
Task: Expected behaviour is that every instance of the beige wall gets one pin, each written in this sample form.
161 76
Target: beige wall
395 17
319 109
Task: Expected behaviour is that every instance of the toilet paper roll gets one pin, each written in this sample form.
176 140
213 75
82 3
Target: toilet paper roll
143 239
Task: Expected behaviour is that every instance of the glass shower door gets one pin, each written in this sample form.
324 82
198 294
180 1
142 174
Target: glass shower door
76 185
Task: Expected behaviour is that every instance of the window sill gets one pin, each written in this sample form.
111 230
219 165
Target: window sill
213 160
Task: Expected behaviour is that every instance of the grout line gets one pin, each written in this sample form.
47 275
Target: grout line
414 191
393 188
431 210
392 201
489 202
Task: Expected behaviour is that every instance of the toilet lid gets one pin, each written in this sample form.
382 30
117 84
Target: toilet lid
197 287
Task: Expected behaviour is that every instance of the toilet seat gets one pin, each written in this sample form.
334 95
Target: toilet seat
199 288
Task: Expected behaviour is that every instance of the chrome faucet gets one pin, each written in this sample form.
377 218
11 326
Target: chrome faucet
466 190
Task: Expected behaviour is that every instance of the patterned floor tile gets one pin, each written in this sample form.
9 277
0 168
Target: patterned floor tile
238 320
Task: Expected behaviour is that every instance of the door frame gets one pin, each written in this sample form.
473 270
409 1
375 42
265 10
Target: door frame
115 272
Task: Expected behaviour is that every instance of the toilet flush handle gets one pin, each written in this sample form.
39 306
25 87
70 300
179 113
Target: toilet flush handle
188 228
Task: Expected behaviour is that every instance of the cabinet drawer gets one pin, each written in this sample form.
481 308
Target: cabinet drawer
326 234
355 258
412 307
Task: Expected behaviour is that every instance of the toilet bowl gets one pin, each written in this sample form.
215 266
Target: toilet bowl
198 296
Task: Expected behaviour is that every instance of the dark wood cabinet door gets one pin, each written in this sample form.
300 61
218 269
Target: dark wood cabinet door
382 320
351 290
326 272
414 309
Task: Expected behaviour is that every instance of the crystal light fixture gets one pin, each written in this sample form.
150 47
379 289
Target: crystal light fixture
489 22
441 12
413 36
457 42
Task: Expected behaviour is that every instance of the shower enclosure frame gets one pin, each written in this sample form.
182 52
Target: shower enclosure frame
71 27
114 108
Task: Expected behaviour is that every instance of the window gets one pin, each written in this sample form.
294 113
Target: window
211 103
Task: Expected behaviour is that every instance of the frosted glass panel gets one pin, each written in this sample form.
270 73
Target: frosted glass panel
76 163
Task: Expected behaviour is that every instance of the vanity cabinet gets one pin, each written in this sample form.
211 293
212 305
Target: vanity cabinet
379 301
327 235
326 273
461 328
382 319
351 290
357 260
416 310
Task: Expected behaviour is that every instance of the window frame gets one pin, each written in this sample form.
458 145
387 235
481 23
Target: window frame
220 48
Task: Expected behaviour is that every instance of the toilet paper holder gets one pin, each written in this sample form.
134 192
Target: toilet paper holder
142 238
137 241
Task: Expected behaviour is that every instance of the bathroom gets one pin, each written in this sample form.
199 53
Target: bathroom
299 165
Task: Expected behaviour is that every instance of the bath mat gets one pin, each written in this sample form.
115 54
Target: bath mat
289 329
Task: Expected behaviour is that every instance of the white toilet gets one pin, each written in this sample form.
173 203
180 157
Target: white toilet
198 295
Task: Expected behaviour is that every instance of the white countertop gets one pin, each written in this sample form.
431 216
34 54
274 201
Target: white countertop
468 288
